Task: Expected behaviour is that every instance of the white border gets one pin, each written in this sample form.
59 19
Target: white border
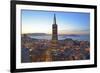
20 65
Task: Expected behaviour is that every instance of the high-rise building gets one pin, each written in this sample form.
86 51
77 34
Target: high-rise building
54 34
54 30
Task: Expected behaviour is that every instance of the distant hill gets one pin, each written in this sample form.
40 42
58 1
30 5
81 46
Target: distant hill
75 35
45 34
37 34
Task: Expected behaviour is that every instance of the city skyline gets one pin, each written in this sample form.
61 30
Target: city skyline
68 22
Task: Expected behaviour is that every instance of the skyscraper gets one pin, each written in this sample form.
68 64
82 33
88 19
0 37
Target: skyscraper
54 30
54 33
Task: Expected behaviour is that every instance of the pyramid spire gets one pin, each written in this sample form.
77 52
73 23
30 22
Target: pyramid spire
54 19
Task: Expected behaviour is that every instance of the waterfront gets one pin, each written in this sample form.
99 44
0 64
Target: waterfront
62 37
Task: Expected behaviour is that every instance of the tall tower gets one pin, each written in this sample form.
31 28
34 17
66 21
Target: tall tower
54 30
54 42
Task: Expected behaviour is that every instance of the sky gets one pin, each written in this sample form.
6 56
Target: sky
68 22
